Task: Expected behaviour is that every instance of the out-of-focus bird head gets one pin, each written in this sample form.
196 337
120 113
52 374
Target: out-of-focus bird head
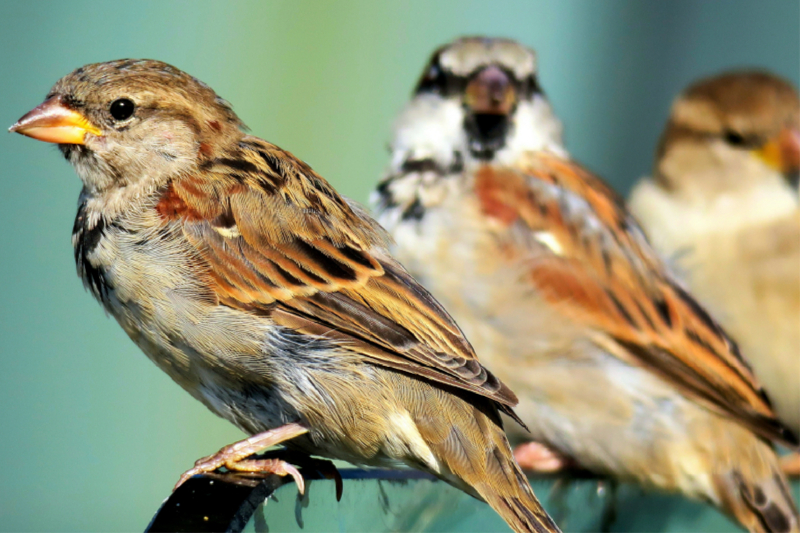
478 98
131 120
729 134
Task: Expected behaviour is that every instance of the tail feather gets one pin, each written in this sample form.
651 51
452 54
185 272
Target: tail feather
521 513
514 499
478 459
760 500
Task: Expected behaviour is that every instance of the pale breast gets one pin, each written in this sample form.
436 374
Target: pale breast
147 277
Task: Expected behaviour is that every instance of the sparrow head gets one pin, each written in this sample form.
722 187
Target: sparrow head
731 133
478 98
131 120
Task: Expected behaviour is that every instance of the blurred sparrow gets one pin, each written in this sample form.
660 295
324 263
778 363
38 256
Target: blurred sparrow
618 368
267 296
725 169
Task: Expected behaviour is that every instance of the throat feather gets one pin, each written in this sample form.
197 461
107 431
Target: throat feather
86 236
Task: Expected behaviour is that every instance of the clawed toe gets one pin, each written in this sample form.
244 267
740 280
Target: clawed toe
269 466
234 456
260 467
201 466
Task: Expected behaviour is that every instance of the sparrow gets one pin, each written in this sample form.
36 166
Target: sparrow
726 168
266 295
617 367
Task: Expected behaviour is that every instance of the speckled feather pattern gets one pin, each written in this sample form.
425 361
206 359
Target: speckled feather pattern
270 298
616 365
739 243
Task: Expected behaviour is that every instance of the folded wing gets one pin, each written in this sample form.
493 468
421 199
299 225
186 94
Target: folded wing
589 259
276 239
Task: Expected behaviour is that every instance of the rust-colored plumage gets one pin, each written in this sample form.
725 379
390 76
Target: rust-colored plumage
727 167
277 239
609 279
616 366
270 298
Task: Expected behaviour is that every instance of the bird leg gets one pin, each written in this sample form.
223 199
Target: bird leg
536 457
233 456
791 464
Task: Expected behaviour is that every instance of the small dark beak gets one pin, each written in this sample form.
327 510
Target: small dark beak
490 98
54 122
491 92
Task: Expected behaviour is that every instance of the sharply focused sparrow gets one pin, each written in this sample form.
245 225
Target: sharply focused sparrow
723 202
267 296
617 367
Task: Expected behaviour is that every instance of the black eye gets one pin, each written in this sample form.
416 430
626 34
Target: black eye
121 109
434 80
734 138
530 86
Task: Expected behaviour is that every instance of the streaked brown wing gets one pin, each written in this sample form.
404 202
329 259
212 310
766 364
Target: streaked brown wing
275 238
395 322
596 266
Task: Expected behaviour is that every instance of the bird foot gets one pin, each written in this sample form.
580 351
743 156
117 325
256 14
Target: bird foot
233 457
536 457
323 467
791 464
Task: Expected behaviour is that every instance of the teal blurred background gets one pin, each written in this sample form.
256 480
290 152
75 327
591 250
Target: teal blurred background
93 434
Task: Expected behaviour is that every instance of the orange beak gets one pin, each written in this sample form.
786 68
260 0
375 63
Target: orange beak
783 152
54 122
491 92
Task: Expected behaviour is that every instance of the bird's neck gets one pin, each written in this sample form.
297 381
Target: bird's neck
431 150
417 185
675 222
113 202
759 203
740 197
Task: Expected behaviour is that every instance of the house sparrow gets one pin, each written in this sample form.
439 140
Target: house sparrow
617 366
267 296
727 169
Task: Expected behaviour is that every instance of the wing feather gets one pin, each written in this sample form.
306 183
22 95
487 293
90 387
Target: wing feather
278 240
598 268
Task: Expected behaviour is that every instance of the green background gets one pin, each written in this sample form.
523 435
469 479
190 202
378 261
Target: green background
92 435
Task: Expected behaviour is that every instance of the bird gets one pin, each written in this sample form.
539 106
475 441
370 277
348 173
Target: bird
727 167
266 295
618 368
